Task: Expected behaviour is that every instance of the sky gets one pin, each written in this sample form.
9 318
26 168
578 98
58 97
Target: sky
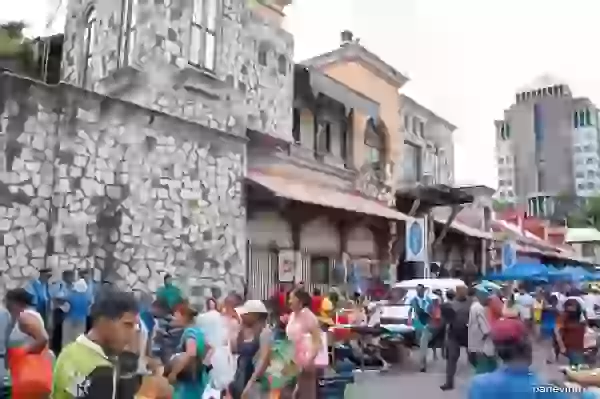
465 58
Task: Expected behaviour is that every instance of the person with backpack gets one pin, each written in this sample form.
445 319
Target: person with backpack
458 334
421 315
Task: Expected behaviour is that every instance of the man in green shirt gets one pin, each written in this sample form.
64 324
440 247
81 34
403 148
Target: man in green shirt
169 293
87 368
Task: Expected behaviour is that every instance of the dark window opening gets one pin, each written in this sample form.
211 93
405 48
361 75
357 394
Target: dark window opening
319 269
296 126
282 65
263 50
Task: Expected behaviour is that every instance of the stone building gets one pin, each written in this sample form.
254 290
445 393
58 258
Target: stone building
134 166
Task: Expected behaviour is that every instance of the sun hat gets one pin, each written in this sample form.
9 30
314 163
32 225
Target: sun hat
252 306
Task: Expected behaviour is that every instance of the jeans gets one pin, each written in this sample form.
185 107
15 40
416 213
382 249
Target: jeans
424 338
575 358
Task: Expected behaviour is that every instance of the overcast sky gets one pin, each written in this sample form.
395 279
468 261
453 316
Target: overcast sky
465 58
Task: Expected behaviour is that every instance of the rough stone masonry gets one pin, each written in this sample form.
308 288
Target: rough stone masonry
92 182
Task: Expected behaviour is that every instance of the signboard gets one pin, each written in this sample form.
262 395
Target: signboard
509 254
286 268
416 240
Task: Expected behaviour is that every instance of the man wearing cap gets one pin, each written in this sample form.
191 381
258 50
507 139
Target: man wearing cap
515 379
40 290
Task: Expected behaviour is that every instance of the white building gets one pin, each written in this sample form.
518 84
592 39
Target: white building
586 148
506 163
428 152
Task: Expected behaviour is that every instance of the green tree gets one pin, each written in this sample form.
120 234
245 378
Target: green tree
14 46
586 215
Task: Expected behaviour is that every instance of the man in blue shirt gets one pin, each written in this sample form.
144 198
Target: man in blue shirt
40 291
85 275
515 379
421 310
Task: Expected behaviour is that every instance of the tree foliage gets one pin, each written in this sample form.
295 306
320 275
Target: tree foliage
15 46
587 215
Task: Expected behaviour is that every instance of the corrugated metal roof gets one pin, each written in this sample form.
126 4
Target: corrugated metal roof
311 193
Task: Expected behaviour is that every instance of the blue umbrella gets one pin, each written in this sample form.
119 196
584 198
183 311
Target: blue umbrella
579 273
556 274
522 271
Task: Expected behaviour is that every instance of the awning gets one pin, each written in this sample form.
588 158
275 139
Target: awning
311 193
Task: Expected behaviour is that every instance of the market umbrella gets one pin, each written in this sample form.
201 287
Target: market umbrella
522 271
556 274
578 273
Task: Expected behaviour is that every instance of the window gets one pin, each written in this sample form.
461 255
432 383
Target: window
127 39
581 186
204 34
591 185
579 175
263 52
282 65
588 148
296 126
90 42
323 138
581 118
412 166
589 161
406 123
374 145
511 193
591 174
415 125
588 118
501 161
577 149
576 119
421 128
319 269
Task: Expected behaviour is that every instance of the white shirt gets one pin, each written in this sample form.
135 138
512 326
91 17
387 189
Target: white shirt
525 304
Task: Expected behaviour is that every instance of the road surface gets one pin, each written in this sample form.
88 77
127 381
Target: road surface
408 382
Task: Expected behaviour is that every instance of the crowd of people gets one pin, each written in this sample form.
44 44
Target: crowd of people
78 339
116 344
502 327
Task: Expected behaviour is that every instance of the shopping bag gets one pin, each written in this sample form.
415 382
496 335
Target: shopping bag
31 374
211 393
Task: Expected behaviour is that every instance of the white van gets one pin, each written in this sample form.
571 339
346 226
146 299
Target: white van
398 314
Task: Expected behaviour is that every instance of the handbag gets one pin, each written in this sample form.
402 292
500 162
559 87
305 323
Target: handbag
31 373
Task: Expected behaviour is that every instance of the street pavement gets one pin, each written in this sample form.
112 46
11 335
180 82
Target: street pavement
408 381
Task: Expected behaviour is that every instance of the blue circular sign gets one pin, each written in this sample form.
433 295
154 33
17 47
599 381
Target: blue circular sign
415 238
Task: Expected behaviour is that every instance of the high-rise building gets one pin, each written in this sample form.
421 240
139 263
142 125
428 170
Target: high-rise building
547 148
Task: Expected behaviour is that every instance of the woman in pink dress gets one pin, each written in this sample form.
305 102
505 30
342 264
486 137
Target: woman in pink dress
304 332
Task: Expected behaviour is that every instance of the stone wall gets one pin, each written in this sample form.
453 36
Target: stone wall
92 182
251 86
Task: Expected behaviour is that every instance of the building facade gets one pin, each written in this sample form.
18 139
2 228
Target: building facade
135 166
428 148
546 148
586 148
323 201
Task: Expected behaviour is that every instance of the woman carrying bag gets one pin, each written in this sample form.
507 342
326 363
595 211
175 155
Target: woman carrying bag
29 360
